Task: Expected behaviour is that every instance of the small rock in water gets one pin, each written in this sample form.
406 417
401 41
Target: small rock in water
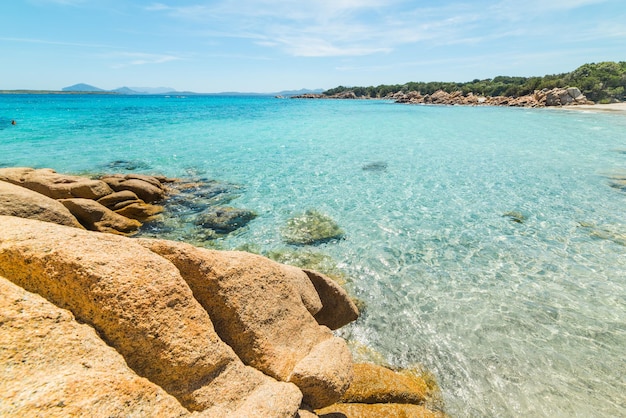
375 166
515 216
225 219
311 228
128 165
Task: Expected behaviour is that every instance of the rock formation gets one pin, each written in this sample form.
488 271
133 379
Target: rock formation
107 325
541 98
25 203
142 307
50 365
89 203
239 291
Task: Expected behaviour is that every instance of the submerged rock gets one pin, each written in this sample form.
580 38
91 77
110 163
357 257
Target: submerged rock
225 219
311 260
127 165
311 228
375 166
515 216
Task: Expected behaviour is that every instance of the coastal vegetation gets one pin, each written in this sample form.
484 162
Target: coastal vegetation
603 82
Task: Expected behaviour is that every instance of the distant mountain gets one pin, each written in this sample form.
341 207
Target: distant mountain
87 88
82 87
126 90
153 90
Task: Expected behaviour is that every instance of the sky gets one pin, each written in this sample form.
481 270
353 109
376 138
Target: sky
275 45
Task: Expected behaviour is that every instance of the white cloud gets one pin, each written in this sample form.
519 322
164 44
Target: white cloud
139 58
332 28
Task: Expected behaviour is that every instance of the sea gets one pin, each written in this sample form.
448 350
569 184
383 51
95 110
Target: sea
484 244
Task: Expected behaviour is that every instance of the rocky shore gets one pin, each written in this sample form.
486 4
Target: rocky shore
95 322
569 96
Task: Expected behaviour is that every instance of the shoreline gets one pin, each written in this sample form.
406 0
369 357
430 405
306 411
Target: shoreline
615 108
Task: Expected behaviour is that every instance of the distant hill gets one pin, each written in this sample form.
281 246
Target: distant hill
604 82
153 90
82 87
87 88
126 90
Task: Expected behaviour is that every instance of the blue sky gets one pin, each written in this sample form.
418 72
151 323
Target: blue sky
274 45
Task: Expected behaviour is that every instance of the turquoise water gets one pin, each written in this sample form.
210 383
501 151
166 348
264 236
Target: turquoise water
514 318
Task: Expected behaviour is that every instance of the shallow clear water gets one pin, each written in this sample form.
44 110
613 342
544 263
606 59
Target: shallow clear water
514 318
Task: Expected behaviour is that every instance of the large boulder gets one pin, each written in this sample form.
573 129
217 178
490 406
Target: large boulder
24 203
141 306
96 217
54 185
50 365
240 291
337 307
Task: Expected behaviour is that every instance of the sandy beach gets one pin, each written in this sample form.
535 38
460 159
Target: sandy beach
613 107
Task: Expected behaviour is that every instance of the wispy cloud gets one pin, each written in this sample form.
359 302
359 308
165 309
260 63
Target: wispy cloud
139 58
54 42
331 28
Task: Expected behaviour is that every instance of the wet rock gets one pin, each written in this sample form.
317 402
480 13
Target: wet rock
240 292
24 203
54 185
311 228
225 219
96 217
378 391
377 384
359 410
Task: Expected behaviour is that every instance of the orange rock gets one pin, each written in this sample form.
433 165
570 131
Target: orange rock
54 185
96 217
50 365
360 410
24 203
140 304
257 310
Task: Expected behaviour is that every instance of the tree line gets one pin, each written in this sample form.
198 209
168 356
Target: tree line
602 82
